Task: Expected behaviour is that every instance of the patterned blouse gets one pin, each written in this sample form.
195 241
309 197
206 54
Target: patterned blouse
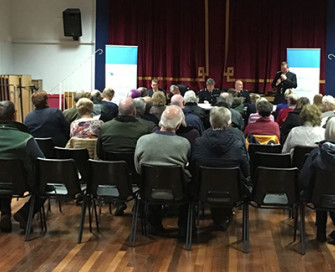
86 128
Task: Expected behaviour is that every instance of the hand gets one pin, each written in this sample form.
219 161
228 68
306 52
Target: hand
278 81
206 102
283 77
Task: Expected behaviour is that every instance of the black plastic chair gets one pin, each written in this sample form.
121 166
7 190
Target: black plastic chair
163 185
108 181
299 155
128 157
80 156
14 184
58 179
277 188
322 198
222 187
47 147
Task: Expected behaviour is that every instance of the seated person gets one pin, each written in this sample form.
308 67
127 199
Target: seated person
16 143
317 101
147 115
143 91
44 122
158 104
155 88
210 93
283 105
291 103
220 147
309 133
323 158
72 113
238 105
253 117
86 126
109 109
191 106
164 147
97 102
140 106
328 108
251 108
174 89
241 92
264 125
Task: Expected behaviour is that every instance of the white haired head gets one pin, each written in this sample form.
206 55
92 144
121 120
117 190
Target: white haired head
172 117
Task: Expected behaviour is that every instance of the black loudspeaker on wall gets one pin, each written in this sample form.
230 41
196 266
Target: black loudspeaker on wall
72 23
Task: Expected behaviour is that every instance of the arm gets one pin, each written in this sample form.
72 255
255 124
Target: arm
292 81
274 82
201 97
64 124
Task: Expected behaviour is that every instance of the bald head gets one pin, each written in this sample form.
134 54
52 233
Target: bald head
127 107
238 85
177 100
172 118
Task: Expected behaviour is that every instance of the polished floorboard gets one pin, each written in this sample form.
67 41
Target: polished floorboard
271 245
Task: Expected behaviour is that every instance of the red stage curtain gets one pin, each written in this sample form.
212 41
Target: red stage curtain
245 39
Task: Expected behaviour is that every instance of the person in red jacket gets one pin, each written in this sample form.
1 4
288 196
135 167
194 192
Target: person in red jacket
264 125
292 102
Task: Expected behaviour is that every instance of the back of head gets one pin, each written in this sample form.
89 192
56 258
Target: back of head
302 102
264 107
225 100
328 103
292 99
220 118
127 107
172 117
190 97
177 100
143 91
40 99
288 92
158 99
237 101
140 105
174 89
134 94
108 93
77 95
96 96
233 92
254 97
310 114
84 106
7 111
317 100
330 130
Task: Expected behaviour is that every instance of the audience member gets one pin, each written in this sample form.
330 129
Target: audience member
191 106
155 88
292 119
317 101
328 108
210 93
241 92
86 126
251 108
283 105
264 125
17 143
253 117
238 105
97 102
158 104
72 113
109 109
44 122
164 147
140 106
174 89
147 115
134 94
309 133
143 91
219 147
191 119
322 158
291 103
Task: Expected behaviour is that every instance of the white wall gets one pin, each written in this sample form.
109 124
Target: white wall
39 47
5 45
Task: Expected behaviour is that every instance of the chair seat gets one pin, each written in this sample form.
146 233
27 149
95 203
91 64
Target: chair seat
60 189
278 199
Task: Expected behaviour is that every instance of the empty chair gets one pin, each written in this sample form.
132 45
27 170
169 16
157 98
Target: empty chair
109 182
47 147
277 188
80 156
299 155
14 184
223 188
162 185
58 179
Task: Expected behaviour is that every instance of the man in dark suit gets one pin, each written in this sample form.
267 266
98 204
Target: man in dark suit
241 92
283 80
155 88
210 93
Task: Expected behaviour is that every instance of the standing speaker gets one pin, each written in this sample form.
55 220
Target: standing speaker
72 23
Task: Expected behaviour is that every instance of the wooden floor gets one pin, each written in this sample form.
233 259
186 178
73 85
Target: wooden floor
271 247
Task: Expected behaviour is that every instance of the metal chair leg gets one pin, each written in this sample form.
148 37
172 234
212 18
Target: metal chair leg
60 206
189 226
49 205
134 224
82 221
96 216
245 231
30 217
302 229
295 222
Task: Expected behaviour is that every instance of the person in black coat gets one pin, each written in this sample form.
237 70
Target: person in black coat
292 119
241 92
283 80
210 93
44 122
322 158
155 88
219 146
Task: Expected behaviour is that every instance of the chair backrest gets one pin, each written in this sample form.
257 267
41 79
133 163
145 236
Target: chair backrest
13 178
220 186
109 179
299 155
127 157
88 143
47 147
262 140
163 183
275 160
80 156
56 175
323 192
276 186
